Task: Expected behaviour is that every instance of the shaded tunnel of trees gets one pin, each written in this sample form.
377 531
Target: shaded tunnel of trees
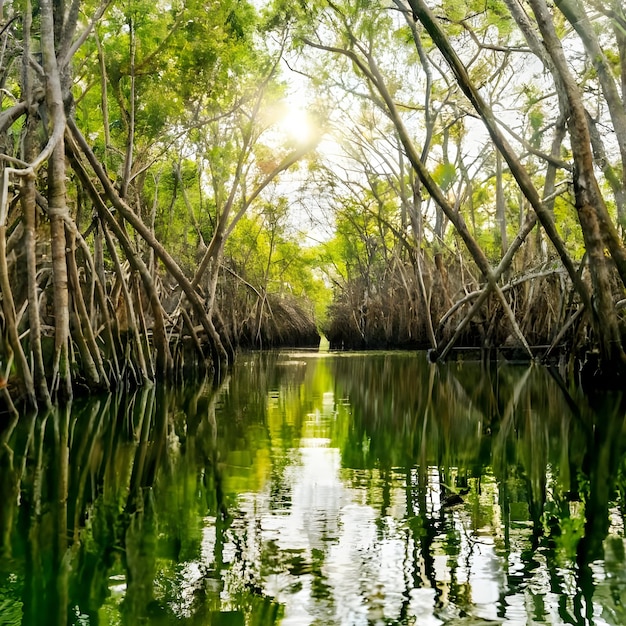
463 164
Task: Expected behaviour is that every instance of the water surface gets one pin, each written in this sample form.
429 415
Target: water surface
362 489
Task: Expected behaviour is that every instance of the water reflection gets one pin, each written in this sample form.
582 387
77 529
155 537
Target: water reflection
320 489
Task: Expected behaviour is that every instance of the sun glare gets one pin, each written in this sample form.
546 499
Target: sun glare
297 125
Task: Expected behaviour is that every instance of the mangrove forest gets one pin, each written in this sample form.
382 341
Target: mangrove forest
312 313
183 180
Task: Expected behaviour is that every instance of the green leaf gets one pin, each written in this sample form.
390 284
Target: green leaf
444 175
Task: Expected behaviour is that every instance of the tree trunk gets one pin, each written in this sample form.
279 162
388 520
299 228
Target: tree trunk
12 338
29 212
92 359
57 211
592 212
500 205
57 208
579 20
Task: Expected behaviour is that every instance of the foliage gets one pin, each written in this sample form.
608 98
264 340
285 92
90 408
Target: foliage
437 132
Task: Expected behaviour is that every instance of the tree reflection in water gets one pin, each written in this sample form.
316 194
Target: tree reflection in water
320 489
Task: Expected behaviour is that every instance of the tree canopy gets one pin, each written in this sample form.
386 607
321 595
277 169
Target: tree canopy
469 160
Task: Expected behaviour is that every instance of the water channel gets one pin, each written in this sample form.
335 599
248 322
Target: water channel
320 488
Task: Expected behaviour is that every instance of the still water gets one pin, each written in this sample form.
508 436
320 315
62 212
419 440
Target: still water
363 489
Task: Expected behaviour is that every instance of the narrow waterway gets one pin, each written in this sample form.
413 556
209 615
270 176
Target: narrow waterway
317 488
